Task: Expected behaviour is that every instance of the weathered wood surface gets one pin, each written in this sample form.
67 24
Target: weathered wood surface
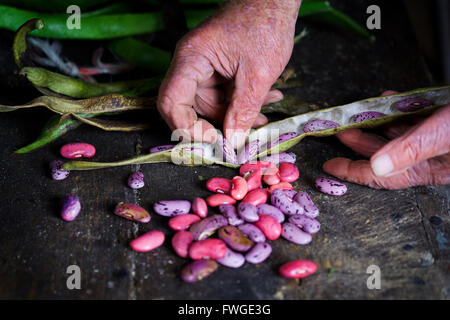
403 232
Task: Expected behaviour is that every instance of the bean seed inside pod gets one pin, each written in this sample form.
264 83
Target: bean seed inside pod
316 125
250 151
198 270
56 171
71 207
171 208
224 147
77 150
367 115
282 138
412 104
331 187
161 148
132 212
136 180
276 158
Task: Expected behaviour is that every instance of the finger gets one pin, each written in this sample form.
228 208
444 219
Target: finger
250 91
395 129
426 140
273 96
177 94
260 121
361 142
360 172
388 93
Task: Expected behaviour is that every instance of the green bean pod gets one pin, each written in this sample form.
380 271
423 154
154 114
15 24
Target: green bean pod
342 115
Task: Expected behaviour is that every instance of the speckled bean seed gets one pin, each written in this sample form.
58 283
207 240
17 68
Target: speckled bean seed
366 115
172 208
218 199
317 125
331 187
148 241
412 104
230 213
271 211
288 172
235 239
71 207
161 148
308 205
250 151
282 138
132 212
269 226
199 207
276 158
253 232
219 185
256 197
260 252
248 212
207 249
294 234
297 269
198 270
308 224
206 227
282 199
56 171
239 188
77 150
181 242
223 146
136 180
232 259
183 222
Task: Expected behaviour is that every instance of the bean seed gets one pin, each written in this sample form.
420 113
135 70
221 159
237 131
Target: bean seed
71 207
171 208
132 212
331 187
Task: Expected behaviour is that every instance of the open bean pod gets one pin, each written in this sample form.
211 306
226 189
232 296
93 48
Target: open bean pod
390 106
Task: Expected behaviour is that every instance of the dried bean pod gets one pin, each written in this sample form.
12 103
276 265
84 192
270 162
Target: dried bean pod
230 213
161 148
198 270
132 212
206 227
260 252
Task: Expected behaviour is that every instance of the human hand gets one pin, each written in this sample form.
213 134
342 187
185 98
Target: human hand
223 70
407 155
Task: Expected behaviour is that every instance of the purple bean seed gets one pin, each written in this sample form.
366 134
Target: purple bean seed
198 270
331 187
171 208
294 234
232 259
229 212
308 224
161 148
282 138
248 212
412 104
260 252
276 158
367 115
132 212
250 151
206 227
283 201
71 207
271 211
317 125
308 205
228 153
56 171
253 232
136 180
235 238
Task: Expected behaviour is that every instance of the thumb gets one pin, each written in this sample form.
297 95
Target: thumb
249 94
425 140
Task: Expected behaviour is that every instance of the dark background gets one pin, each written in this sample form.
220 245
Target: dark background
403 232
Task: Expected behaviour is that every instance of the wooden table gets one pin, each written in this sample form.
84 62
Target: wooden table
403 232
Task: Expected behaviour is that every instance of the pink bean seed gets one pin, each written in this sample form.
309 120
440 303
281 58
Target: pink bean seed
256 197
269 226
199 207
148 241
181 242
297 269
183 222
77 150
288 172
219 185
239 188
218 199
207 249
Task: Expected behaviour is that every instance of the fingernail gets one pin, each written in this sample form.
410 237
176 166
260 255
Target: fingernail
382 165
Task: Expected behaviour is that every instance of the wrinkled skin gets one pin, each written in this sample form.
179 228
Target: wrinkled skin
223 70
418 153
